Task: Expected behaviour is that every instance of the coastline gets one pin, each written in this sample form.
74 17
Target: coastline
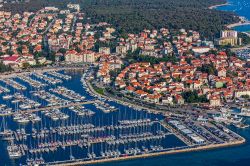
243 21
201 148
240 23
215 6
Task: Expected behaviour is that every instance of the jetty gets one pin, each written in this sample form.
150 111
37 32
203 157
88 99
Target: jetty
148 155
55 107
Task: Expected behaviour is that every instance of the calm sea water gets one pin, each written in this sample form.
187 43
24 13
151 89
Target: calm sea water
242 8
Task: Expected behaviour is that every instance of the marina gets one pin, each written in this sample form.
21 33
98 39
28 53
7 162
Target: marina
79 127
59 75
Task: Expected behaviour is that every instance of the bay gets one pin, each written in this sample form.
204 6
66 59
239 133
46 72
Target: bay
241 8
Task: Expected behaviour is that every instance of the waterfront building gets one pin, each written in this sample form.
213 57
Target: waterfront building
11 60
89 57
167 100
75 57
201 49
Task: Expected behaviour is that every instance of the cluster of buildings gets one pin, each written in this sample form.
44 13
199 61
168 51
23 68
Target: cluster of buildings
190 41
107 64
150 43
164 83
24 36
70 38
21 37
161 43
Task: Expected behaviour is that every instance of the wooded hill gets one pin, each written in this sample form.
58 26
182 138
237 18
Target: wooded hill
135 15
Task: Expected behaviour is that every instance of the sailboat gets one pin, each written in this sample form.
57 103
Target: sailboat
6 134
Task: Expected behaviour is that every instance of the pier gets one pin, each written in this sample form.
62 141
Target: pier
55 107
150 155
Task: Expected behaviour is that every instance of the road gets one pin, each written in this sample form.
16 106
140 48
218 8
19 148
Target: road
160 109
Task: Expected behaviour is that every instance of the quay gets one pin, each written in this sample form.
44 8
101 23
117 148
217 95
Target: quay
170 151
177 134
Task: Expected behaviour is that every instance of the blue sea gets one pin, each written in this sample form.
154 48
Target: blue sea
240 7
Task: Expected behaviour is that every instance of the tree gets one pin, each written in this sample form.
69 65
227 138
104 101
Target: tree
62 50
4 68
133 16
208 68
26 65
192 97
245 38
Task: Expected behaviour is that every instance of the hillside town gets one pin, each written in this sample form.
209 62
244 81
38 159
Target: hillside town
185 62
219 78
